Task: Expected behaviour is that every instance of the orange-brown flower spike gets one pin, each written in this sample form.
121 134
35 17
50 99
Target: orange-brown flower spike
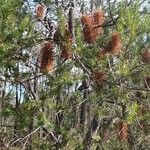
87 20
88 28
89 35
114 45
146 56
47 61
122 130
40 12
99 17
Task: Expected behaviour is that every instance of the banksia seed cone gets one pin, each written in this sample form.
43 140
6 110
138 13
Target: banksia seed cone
99 76
122 130
146 56
40 12
114 45
147 82
47 62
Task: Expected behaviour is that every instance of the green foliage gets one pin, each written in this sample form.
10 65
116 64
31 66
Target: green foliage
132 113
68 108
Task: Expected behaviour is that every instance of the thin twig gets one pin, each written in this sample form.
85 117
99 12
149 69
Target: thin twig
31 133
25 136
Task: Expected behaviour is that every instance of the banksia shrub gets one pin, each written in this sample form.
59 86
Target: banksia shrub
114 45
47 59
146 56
40 12
122 130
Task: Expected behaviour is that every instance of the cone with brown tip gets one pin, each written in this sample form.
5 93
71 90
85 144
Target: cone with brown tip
99 19
122 130
114 45
88 26
47 61
90 32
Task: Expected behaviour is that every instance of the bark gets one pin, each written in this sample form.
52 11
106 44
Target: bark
83 111
88 137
